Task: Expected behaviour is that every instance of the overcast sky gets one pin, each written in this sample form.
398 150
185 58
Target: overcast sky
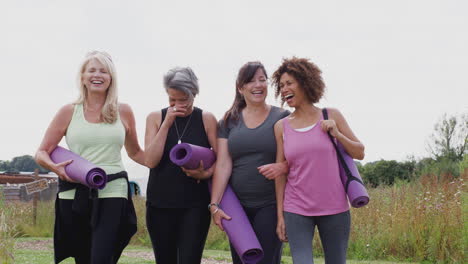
393 68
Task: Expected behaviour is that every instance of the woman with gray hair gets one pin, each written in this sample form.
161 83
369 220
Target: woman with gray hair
176 214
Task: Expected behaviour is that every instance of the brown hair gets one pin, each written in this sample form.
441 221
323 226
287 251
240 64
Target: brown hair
245 75
306 73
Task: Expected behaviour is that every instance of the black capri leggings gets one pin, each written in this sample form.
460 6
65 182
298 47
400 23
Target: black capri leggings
178 235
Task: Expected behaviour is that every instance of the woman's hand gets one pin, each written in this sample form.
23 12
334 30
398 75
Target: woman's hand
61 173
218 215
281 230
330 126
199 173
173 112
274 170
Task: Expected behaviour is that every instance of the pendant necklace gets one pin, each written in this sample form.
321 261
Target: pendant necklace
185 128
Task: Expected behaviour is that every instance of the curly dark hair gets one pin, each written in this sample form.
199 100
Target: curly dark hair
307 74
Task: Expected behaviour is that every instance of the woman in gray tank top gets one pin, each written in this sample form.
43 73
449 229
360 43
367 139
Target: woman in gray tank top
246 143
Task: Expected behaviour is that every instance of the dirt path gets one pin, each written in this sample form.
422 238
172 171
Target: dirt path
46 244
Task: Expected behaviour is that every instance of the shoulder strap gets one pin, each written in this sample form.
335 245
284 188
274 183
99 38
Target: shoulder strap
349 175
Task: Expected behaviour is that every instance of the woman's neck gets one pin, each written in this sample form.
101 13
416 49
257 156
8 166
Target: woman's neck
256 108
305 111
95 102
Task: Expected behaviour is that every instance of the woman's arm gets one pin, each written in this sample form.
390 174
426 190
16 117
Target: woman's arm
131 140
221 177
210 124
54 134
155 139
280 182
339 128
156 134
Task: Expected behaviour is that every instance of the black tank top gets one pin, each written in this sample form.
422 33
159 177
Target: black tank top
168 186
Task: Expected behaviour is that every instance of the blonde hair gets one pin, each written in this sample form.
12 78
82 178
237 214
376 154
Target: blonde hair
110 109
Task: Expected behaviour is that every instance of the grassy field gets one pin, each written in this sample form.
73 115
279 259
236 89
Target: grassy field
420 221
40 251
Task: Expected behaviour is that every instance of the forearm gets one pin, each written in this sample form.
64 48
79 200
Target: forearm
138 157
154 151
42 158
220 181
280 185
354 148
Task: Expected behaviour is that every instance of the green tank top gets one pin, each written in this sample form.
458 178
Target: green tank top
101 144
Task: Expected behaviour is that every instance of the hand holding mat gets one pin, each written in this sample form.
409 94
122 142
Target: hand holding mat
80 169
238 229
357 193
349 174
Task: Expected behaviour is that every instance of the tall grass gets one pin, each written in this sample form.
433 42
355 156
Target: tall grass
21 221
417 221
420 221
7 241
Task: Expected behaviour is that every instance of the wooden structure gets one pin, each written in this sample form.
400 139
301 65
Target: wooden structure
23 187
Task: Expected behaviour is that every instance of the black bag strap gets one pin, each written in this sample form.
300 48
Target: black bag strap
349 175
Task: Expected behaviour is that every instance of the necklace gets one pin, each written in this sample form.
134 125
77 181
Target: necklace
185 128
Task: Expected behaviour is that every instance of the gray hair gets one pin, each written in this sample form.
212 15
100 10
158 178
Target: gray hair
182 79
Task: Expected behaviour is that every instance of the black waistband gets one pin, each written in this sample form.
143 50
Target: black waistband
86 200
66 186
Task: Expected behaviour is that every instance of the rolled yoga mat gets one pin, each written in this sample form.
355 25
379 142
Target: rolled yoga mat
189 156
238 229
357 193
80 170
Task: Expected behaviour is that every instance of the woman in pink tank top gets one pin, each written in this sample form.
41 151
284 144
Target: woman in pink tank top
312 193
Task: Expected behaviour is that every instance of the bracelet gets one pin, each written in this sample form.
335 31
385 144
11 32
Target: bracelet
213 204
215 211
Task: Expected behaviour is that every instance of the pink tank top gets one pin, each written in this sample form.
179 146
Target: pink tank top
314 187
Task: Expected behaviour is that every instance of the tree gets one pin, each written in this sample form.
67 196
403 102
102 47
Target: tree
386 172
21 163
24 163
450 138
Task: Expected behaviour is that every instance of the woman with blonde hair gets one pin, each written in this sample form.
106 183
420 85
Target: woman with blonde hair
93 226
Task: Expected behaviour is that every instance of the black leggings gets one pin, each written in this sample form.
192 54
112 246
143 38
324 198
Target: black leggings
178 235
98 245
263 221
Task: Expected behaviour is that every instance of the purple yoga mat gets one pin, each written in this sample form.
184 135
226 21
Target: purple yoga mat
189 156
80 169
238 229
357 193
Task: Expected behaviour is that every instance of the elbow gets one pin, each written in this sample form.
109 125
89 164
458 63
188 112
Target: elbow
38 158
360 154
149 162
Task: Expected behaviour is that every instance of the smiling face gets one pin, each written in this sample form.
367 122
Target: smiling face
256 89
180 99
290 91
96 76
